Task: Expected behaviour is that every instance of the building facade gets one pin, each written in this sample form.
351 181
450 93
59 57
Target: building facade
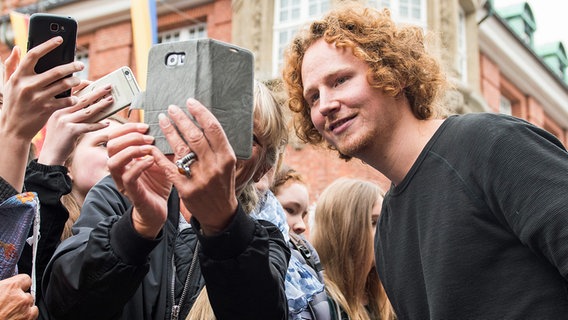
486 50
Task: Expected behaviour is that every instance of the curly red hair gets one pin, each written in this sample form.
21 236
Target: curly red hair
396 55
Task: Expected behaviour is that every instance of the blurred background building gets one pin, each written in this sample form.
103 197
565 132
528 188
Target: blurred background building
487 50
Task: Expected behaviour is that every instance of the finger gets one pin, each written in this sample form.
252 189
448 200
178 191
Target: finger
135 169
118 163
53 104
96 108
81 86
12 62
54 82
82 106
34 313
170 169
32 57
119 143
192 133
211 127
128 127
177 144
86 99
23 281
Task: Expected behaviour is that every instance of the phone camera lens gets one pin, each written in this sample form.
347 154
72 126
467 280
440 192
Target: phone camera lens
172 59
54 27
127 73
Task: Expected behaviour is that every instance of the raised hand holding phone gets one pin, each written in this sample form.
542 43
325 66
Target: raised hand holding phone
45 26
123 90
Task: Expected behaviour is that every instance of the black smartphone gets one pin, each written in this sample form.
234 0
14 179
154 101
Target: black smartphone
42 27
217 74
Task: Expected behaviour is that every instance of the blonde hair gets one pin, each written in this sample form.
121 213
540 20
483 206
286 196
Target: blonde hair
342 236
201 309
272 129
396 56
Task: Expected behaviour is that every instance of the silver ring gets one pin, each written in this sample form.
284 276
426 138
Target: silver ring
185 162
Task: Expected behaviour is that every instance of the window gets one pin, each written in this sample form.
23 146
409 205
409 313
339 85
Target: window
527 34
289 17
82 54
505 106
198 31
462 45
404 11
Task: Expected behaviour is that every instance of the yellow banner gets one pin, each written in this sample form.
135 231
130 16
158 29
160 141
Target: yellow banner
20 23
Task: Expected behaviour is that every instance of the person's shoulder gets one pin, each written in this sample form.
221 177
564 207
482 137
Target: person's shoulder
484 123
485 118
106 192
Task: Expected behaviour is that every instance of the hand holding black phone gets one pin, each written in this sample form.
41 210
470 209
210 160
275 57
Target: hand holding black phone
45 26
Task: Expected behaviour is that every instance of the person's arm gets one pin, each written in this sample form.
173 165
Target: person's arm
27 105
50 183
95 272
47 176
239 255
526 183
244 269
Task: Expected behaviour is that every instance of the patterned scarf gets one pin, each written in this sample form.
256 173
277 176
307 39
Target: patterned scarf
17 214
301 285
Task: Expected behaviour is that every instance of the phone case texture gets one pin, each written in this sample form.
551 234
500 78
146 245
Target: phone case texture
217 74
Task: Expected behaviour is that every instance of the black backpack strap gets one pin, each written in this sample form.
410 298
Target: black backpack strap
301 246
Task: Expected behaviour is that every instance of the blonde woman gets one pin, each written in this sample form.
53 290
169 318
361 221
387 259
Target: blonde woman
345 218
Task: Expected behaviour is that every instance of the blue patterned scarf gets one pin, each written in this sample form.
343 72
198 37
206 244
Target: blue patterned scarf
301 285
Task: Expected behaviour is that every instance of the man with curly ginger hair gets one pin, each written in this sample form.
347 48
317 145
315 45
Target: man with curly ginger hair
474 224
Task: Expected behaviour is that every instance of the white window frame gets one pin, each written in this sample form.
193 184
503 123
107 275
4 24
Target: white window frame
82 54
285 30
196 31
505 106
395 7
462 45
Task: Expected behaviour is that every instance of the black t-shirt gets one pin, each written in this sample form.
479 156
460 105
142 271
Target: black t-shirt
478 229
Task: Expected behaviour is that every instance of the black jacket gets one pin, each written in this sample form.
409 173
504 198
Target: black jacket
50 183
108 271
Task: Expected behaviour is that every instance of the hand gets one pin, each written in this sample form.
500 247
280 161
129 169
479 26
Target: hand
136 175
67 124
15 302
29 98
209 193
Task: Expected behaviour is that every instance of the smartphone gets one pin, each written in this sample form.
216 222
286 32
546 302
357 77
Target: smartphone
217 74
124 89
42 27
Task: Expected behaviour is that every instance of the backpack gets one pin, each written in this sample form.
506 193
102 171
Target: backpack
318 308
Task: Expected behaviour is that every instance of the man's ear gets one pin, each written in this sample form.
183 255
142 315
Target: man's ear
261 172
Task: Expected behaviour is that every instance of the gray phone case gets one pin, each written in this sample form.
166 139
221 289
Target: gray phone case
217 74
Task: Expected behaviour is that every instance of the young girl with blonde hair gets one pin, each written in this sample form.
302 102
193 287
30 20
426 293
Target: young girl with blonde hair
345 218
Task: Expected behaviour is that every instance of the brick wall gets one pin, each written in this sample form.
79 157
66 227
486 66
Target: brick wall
321 166
494 85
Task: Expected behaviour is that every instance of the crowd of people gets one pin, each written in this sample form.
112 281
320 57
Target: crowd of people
103 225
